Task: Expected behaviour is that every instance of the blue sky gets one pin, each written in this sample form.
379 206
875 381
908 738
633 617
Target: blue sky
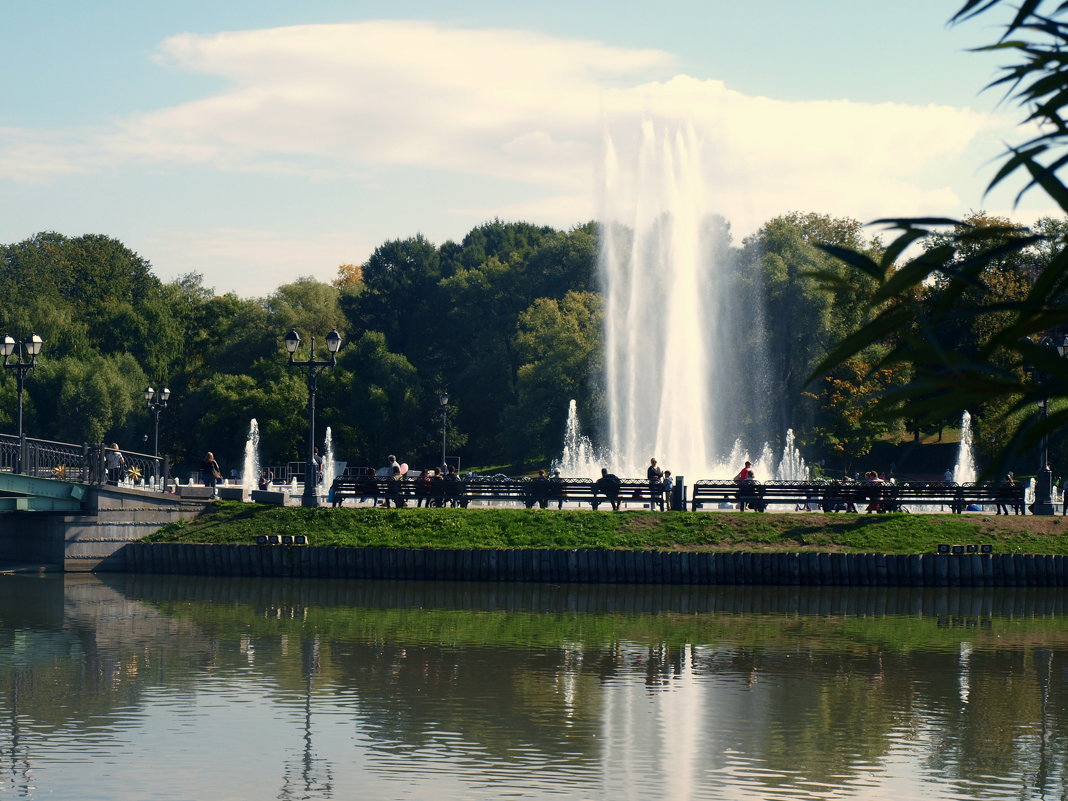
256 141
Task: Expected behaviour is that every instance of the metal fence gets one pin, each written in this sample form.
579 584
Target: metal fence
79 463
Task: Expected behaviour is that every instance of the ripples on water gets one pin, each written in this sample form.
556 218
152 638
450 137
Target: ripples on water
164 688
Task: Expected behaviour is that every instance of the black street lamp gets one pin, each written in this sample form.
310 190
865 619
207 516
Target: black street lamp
31 346
443 399
313 368
156 402
1043 504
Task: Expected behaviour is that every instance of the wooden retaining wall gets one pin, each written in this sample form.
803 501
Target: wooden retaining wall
601 567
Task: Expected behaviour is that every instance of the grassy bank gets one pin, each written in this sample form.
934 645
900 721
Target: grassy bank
230 522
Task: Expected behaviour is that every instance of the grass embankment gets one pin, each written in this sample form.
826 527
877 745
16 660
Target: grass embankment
231 522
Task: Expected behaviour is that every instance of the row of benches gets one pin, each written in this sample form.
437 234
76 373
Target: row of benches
836 496
462 492
827 497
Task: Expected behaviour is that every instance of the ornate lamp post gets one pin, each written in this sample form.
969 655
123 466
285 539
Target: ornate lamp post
31 346
1043 504
156 402
443 399
313 368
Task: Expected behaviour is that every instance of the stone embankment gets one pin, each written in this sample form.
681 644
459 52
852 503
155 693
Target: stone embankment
599 566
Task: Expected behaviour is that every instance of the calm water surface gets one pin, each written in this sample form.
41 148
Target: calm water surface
177 688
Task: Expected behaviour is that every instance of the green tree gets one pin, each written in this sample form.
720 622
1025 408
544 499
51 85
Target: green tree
803 320
559 345
844 430
383 409
87 398
307 305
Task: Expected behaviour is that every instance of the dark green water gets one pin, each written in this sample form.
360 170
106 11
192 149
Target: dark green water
150 687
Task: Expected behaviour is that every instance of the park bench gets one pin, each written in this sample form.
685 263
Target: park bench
958 497
366 486
490 490
839 496
549 491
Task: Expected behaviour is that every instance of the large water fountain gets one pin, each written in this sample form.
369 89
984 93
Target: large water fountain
683 371
250 467
330 463
964 470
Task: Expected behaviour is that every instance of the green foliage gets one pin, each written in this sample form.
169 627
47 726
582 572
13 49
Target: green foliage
846 429
558 344
85 399
789 261
984 299
307 305
232 522
380 406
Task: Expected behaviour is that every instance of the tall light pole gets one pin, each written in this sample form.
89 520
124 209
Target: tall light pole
443 399
313 368
31 346
1043 504
156 403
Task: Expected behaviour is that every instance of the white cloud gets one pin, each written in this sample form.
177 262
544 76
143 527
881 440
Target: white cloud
28 156
524 108
251 262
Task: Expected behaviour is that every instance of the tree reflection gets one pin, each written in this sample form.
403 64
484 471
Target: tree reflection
492 677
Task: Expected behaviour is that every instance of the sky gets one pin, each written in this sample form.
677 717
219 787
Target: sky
258 141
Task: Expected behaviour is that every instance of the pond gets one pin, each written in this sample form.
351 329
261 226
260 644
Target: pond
165 687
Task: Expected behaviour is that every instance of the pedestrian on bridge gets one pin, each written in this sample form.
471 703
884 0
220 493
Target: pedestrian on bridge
115 463
210 472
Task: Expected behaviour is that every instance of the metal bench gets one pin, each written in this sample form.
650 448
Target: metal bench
837 496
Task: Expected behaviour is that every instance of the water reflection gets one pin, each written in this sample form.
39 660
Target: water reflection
172 687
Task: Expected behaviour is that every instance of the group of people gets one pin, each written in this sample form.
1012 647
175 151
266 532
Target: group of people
659 482
434 487
746 479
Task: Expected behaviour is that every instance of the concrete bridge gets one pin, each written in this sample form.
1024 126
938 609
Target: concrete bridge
20 493
49 524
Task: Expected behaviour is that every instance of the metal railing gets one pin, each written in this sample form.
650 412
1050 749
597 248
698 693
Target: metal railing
78 463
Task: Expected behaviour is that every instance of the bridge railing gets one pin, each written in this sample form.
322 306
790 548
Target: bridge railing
79 463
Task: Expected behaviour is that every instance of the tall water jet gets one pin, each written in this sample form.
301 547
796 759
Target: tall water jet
580 458
250 469
964 470
329 463
683 371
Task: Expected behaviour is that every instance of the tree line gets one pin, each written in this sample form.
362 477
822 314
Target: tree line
508 320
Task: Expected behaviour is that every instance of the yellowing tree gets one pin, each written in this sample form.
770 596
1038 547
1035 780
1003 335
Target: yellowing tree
349 276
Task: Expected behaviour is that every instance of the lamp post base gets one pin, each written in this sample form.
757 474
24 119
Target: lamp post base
311 499
1043 504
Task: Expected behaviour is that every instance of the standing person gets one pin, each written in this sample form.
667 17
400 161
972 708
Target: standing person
394 491
115 463
539 490
1006 492
669 485
655 476
210 472
317 462
948 475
